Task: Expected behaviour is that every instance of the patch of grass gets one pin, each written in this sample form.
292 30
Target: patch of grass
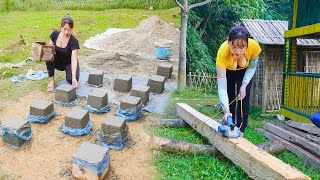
193 96
93 5
181 134
181 166
297 162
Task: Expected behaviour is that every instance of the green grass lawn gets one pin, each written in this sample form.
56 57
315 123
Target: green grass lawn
37 26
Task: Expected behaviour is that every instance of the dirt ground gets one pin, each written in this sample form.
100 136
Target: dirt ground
48 155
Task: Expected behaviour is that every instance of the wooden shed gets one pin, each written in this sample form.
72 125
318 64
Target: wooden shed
301 89
266 91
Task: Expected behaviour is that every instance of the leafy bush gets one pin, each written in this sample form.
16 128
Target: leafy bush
198 57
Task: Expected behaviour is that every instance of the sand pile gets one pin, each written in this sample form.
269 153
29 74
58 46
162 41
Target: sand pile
142 39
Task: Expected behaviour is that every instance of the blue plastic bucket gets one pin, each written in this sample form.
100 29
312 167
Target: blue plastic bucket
163 53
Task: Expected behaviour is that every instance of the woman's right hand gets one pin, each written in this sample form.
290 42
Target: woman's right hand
225 117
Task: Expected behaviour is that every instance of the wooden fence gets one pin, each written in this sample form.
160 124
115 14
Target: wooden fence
205 81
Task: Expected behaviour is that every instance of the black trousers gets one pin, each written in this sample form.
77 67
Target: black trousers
234 79
67 68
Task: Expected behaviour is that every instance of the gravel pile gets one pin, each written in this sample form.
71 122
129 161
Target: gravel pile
142 39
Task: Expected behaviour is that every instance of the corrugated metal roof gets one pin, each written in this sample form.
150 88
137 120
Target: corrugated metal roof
271 32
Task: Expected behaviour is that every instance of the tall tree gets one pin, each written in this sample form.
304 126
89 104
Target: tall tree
182 69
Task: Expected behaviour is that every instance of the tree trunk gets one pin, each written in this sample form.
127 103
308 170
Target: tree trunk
273 147
182 69
173 123
170 145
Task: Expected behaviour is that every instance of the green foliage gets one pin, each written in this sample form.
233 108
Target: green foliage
212 23
93 5
198 56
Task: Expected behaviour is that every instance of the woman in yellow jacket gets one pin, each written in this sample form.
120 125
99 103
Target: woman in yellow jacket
236 64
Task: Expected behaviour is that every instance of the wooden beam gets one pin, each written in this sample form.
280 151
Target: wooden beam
291 137
310 128
307 157
257 163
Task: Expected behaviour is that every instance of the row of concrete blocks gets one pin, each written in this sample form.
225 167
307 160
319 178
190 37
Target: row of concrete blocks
76 118
123 83
97 98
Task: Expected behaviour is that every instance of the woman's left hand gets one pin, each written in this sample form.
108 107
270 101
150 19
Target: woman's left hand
242 92
74 82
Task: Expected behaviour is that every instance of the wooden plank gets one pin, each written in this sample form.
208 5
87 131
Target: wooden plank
310 128
307 157
291 137
257 163
309 137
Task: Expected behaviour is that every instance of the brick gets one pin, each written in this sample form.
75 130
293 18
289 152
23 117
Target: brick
129 102
41 108
98 98
15 123
123 83
141 91
65 93
95 78
90 154
77 118
165 70
114 124
156 84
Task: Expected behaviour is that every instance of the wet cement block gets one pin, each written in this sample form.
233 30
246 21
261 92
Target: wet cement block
98 98
141 91
129 102
95 78
156 84
165 70
77 118
114 124
65 93
90 154
15 123
41 108
123 83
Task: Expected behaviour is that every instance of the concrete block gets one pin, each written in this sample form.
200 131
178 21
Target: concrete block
77 118
98 98
41 108
141 91
65 93
90 154
123 83
95 78
15 123
129 102
114 124
156 84
165 70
